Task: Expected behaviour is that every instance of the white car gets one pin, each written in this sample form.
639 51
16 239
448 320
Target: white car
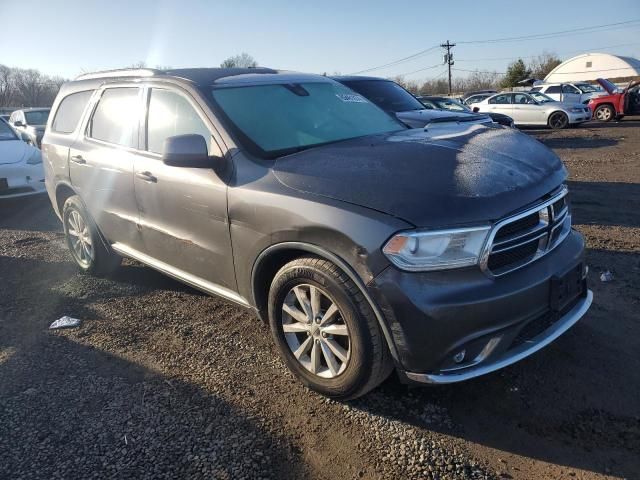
534 108
21 171
569 92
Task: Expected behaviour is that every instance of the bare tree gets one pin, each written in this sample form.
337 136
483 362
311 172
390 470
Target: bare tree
27 87
244 60
542 65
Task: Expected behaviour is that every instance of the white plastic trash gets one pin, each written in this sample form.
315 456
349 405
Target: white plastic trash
65 322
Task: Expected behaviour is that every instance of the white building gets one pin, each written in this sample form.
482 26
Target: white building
590 66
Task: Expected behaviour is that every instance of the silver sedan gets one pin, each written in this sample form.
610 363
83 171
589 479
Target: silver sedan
534 108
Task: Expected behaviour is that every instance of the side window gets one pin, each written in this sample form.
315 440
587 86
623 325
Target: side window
70 111
503 99
115 119
171 114
553 89
570 89
522 98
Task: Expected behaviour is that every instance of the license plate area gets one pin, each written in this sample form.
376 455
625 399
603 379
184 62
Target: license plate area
566 288
4 184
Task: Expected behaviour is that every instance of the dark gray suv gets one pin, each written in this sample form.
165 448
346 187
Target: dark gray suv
444 253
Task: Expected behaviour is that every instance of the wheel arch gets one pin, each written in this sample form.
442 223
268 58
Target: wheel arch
63 192
276 256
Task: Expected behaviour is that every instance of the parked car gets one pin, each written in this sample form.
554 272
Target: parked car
534 108
32 122
569 92
617 103
477 96
21 172
401 104
444 253
5 117
446 103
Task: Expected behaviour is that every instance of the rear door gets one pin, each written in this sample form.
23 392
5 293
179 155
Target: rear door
101 163
183 211
553 91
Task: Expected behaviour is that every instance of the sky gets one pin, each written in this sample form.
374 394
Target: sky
70 37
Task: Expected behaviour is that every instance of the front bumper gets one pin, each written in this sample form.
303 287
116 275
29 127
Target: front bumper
21 179
434 316
581 117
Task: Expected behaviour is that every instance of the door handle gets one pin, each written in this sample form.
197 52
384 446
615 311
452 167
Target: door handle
78 159
147 177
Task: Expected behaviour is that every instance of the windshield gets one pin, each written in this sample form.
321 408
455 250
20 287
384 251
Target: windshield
450 104
541 97
285 118
37 117
587 88
388 95
6 132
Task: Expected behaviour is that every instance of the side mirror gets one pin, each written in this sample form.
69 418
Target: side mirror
476 109
187 151
18 124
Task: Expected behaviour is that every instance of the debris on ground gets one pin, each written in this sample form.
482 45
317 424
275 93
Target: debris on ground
606 276
65 322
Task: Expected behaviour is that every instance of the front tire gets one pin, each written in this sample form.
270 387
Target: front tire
326 331
84 242
604 113
558 120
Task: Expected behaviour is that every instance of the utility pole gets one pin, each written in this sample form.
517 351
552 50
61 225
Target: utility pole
448 59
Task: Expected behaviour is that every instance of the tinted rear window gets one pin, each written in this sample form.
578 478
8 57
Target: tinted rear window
37 117
115 119
70 111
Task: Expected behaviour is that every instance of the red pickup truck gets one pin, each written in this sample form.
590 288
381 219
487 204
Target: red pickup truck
618 103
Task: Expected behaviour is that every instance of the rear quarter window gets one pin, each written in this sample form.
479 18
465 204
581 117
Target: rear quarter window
70 111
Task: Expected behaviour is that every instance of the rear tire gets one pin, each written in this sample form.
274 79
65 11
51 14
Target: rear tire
604 113
332 343
558 120
84 241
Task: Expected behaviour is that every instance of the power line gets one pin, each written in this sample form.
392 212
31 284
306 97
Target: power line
396 62
550 34
560 73
419 70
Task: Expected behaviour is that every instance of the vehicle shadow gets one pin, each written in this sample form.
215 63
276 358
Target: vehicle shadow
605 203
578 142
70 410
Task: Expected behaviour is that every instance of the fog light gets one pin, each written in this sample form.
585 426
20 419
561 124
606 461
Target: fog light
459 357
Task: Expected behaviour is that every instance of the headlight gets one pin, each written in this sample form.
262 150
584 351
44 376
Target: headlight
576 110
436 250
35 158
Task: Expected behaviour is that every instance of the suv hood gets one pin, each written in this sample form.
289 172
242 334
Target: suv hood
14 151
450 175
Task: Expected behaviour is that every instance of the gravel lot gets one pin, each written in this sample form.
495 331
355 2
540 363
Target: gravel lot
161 381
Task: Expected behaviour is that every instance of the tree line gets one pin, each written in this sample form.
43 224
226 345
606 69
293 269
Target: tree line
21 87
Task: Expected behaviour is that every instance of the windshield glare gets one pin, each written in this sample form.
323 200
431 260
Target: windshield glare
388 95
6 133
541 97
450 104
285 118
38 117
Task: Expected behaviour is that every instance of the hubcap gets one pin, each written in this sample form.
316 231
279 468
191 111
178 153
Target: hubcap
603 114
80 238
315 331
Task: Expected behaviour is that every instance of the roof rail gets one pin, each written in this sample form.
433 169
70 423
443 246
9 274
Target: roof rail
121 72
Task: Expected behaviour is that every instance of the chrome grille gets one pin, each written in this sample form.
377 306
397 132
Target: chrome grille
523 238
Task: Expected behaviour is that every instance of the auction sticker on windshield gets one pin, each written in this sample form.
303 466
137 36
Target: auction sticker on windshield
351 98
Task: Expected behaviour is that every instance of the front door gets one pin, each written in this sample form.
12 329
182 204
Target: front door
183 211
527 110
101 164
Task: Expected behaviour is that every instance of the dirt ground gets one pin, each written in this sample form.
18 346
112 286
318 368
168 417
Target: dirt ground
163 381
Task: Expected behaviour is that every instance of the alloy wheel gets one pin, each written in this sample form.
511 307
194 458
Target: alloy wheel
315 331
604 114
558 120
80 238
